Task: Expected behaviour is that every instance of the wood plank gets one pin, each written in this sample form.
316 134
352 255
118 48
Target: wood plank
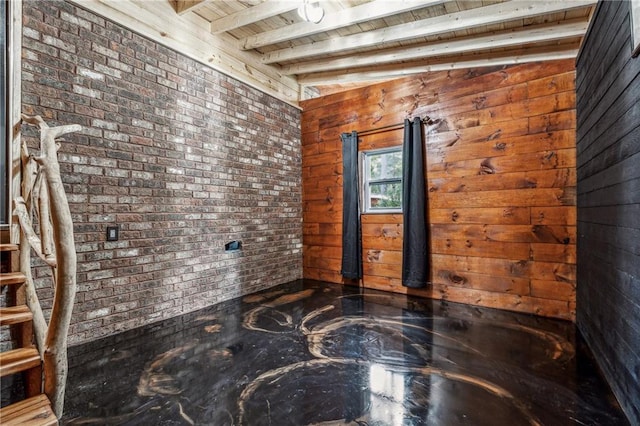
383 256
540 142
381 243
558 253
322 240
554 121
522 55
323 275
512 37
382 230
552 84
514 302
507 198
506 233
558 159
552 178
498 300
34 411
323 263
253 14
487 216
328 252
625 147
492 14
549 271
327 216
627 216
487 266
445 133
185 6
17 360
479 248
382 270
554 215
15 315
377 9
556 290
12 278
464 279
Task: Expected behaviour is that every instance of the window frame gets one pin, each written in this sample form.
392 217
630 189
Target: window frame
366 181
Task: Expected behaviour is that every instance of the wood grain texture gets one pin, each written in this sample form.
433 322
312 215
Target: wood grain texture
501 178
608 189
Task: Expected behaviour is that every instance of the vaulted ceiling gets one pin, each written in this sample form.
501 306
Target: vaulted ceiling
357 41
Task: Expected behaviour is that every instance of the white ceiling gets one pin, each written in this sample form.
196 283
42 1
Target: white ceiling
361 41
265 44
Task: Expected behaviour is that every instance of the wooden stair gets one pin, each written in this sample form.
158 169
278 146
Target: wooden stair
32 411
35 410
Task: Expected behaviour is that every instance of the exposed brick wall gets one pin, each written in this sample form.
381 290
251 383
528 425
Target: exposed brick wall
181 157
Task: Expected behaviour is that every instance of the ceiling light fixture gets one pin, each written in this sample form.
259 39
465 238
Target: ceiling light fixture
311 11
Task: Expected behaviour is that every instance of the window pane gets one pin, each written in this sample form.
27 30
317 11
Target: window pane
385 165
385 195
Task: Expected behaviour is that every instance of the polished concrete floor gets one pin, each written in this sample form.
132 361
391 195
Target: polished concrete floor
311 353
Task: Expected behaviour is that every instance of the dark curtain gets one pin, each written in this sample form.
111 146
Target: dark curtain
415 263
351 229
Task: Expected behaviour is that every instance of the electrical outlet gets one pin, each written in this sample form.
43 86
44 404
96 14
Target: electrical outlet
112 233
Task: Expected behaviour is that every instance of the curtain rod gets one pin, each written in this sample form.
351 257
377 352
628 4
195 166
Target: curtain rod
390 127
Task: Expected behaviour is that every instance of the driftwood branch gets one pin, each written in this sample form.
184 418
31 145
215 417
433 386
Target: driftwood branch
55 342
46 227
39 323
20 211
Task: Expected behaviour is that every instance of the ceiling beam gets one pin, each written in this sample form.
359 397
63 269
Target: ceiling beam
487 15
533 34
377 73
365 12
184 6
253 14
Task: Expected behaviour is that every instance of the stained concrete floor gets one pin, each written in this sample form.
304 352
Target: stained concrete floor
311 353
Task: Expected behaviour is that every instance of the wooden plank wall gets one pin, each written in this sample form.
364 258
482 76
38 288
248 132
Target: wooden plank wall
501 181
608 166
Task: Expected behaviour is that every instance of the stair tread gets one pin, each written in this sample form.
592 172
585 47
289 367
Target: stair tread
8 247
34 411
17 360
7 278
15 315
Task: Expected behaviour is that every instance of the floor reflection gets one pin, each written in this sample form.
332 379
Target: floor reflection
311 353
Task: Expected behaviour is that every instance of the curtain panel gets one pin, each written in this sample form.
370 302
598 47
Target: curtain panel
415 262
351 226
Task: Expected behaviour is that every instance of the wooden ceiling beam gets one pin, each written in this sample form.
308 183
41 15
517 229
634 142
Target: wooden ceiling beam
378 73
184 6
514 37
365 12
253 14
486 15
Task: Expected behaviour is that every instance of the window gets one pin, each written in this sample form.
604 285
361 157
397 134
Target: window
382 180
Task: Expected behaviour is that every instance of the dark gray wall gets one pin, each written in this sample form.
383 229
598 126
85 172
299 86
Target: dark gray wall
608 144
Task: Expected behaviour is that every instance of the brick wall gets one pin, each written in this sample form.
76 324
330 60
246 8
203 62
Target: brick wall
182 158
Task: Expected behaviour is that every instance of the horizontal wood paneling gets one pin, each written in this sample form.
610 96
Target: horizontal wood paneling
608 189
501 182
